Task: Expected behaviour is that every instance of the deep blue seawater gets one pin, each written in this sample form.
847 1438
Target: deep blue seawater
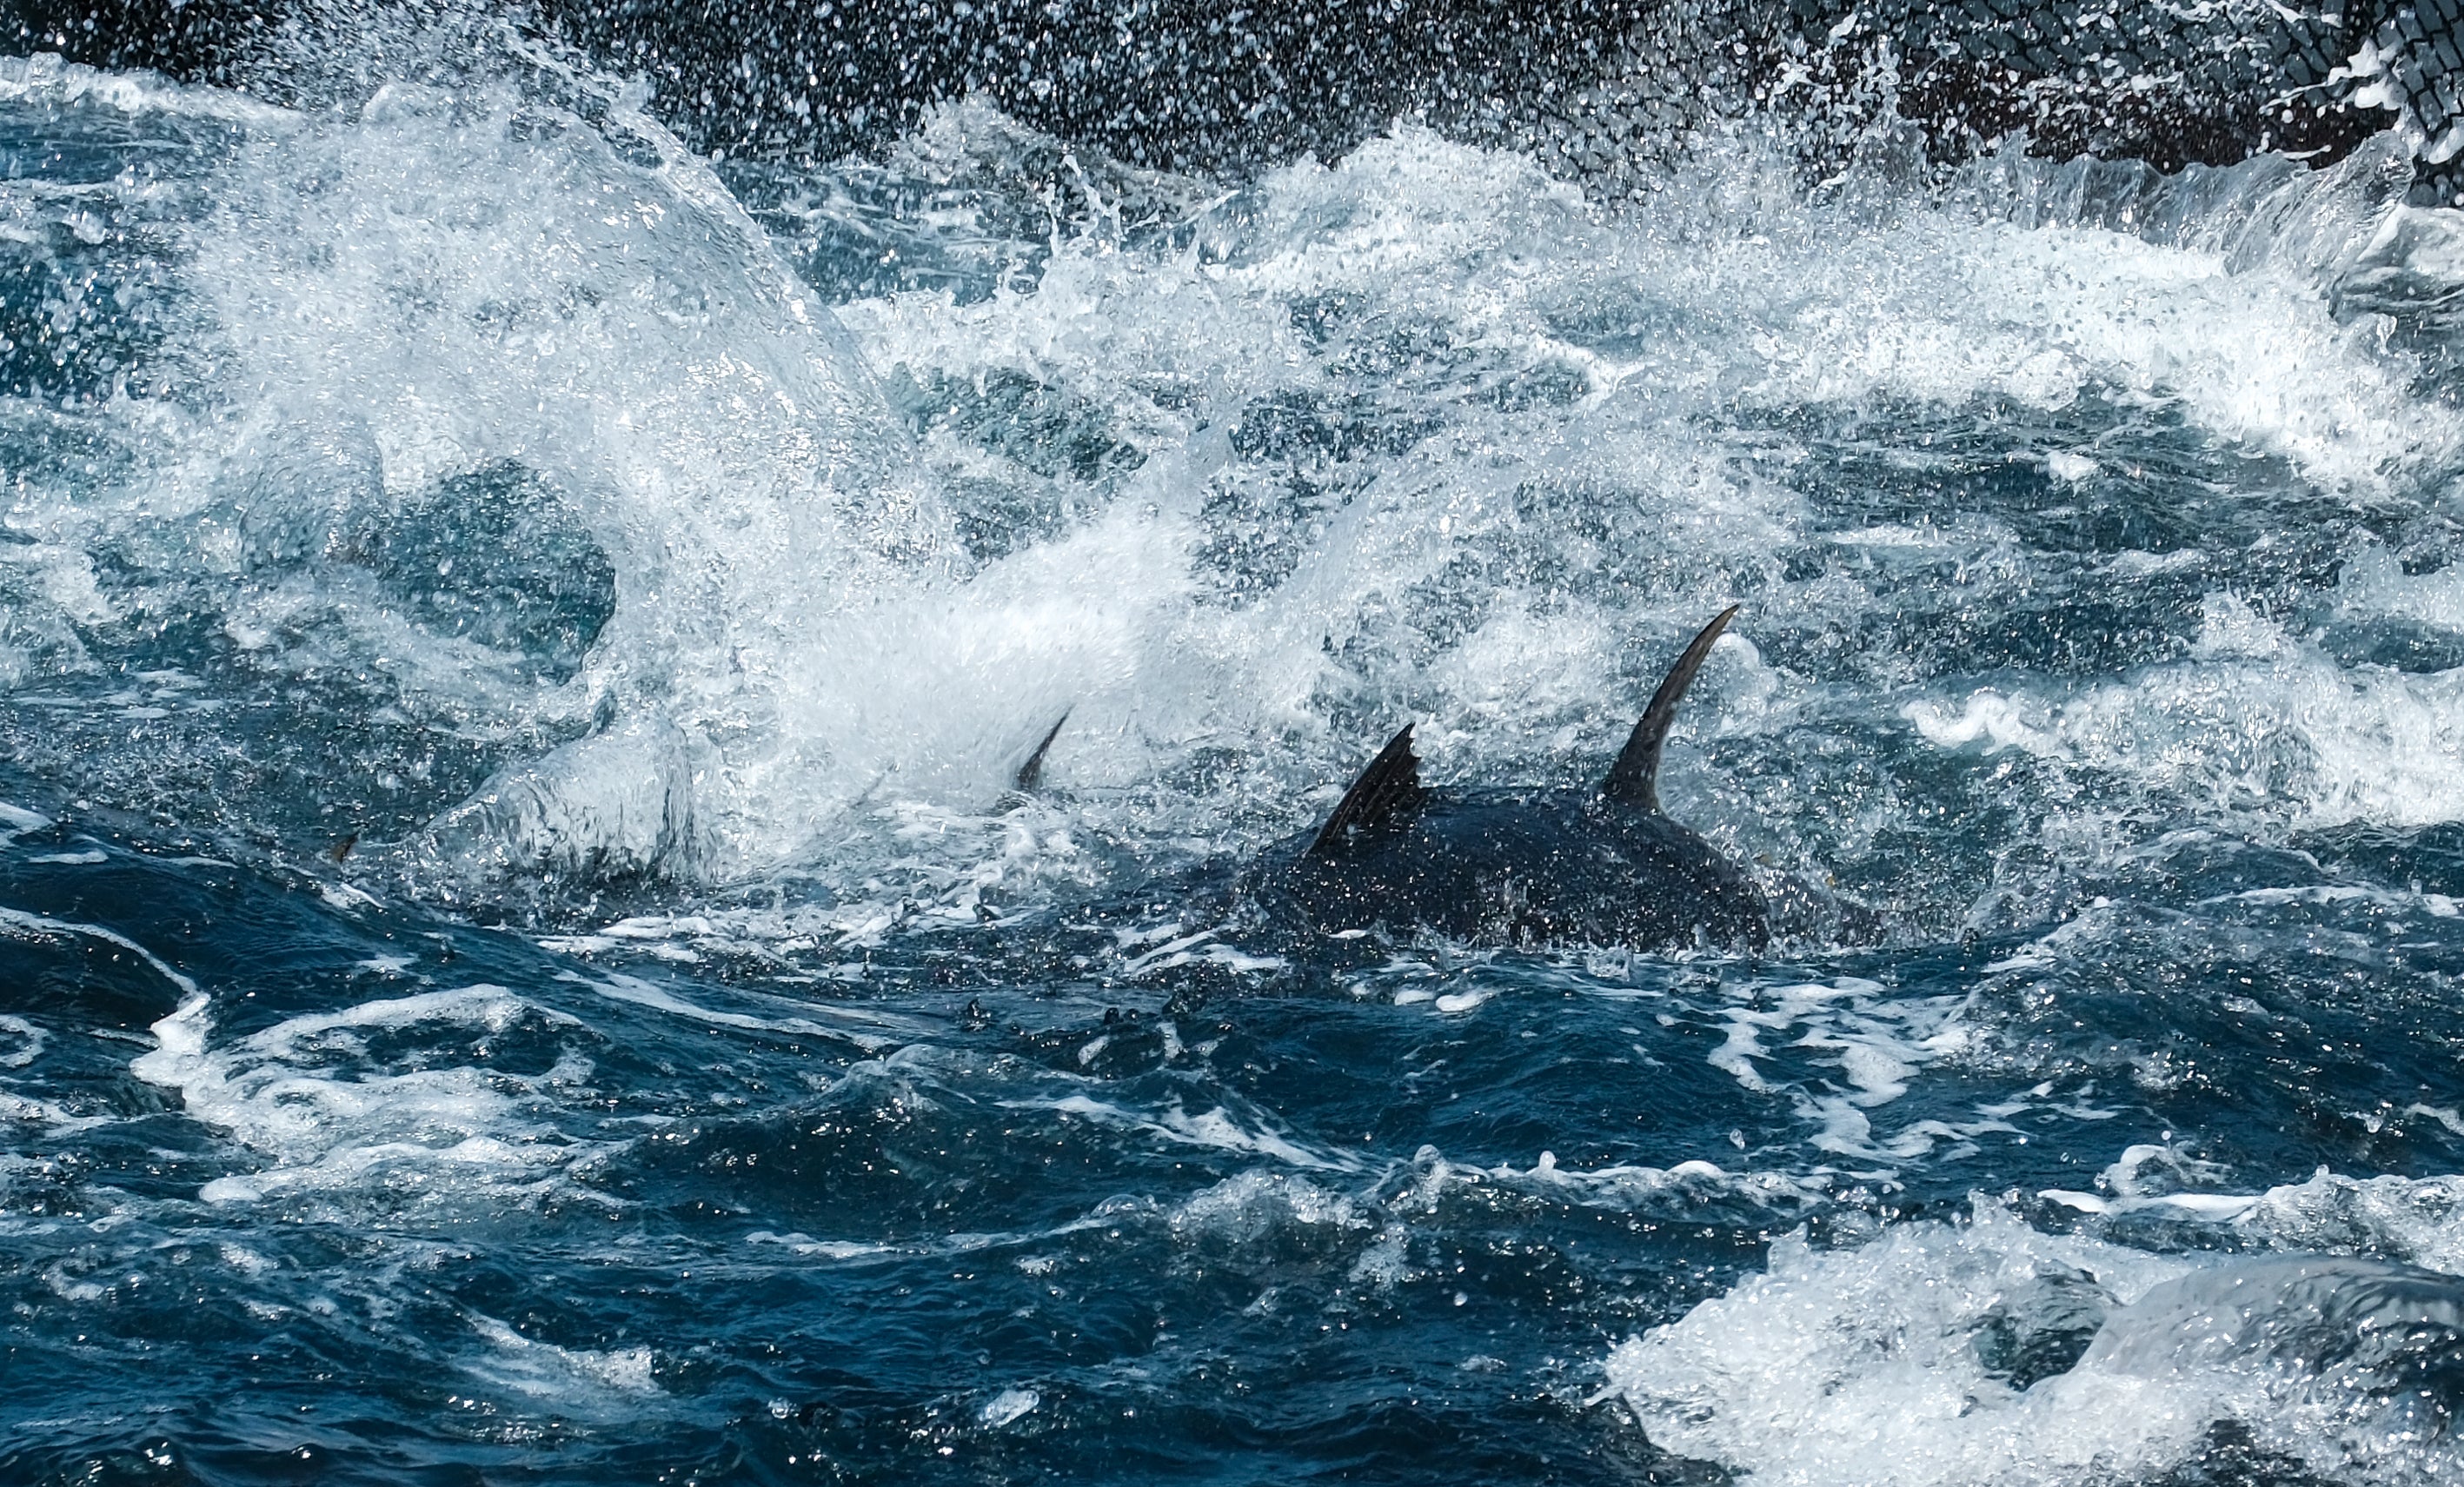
518 963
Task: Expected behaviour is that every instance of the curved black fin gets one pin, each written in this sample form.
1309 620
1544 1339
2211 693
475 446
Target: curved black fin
1389 786
1635 777
1030 775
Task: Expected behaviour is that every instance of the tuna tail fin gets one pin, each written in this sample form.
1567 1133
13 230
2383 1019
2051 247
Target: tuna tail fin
1635 777
1030 775
1390 785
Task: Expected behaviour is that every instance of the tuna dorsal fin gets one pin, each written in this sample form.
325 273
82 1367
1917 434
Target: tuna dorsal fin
1635 777
1030 775
1391 784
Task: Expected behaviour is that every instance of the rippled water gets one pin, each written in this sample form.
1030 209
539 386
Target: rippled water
522 964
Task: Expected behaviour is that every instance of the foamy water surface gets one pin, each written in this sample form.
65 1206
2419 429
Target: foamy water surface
523 958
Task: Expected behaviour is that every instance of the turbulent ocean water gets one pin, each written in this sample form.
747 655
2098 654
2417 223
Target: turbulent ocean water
519 960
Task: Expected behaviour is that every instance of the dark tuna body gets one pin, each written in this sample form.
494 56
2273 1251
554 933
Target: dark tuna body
1519 866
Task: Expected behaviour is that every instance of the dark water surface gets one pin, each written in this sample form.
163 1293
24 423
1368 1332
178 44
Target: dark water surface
699 1068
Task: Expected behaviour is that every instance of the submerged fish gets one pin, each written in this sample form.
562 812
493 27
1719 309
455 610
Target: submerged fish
1520 866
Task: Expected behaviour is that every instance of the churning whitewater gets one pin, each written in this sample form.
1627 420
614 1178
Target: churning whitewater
526 955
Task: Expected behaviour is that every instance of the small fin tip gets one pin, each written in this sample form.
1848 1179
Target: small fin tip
1030 775
1389 786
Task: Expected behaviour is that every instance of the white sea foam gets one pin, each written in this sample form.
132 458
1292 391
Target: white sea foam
1887 1361
1008 1407
1249 1207
569 1376
1628 1185
303 1096
25 1045
1870 1042
50 1117
864 1027
2420 1220
1218 1128
823 1248
2257 726
1878 1361
45 78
